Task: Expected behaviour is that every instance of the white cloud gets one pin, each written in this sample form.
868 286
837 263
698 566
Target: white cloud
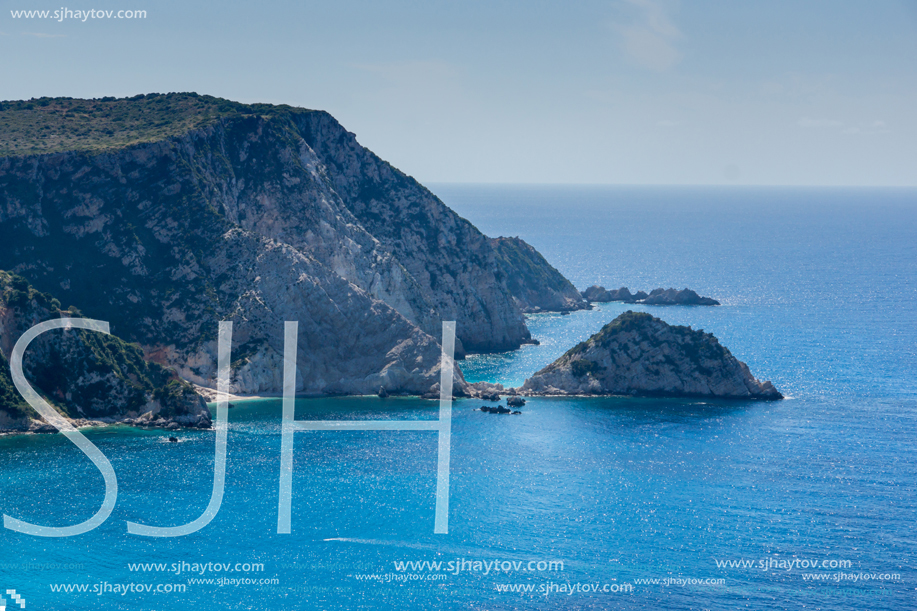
43 35
650 41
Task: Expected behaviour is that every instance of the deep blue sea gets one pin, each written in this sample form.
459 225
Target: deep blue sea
609 503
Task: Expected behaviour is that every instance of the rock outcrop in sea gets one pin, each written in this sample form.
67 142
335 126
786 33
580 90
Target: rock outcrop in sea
638 354
87 376
598 294
164 214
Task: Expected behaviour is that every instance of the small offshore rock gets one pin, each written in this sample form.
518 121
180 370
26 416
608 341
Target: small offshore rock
599 294
173 439
515 401
638 354
676 297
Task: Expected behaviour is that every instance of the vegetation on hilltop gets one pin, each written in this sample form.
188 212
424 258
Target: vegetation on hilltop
55 125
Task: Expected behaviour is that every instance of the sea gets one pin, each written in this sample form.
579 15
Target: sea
577 503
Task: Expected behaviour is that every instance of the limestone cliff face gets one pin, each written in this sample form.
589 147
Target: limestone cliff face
453 263
535 285
258 215
87 376
637 354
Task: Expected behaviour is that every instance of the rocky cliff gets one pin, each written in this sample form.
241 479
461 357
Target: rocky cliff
163 214
87 376
637 354
535 285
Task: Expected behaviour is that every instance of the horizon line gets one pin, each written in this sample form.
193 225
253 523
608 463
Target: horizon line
676 185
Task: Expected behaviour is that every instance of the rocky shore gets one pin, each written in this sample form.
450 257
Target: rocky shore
89 377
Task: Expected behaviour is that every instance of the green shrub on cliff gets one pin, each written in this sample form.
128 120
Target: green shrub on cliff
82 373
11 401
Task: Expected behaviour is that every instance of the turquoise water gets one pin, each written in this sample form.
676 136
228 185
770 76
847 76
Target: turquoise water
820 296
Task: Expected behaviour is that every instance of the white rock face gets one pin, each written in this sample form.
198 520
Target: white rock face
637 354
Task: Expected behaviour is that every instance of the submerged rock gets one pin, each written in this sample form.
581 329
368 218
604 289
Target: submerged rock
638 354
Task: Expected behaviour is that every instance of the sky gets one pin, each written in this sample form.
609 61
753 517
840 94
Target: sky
577 92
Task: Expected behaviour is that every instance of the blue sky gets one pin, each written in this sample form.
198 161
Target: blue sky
618 91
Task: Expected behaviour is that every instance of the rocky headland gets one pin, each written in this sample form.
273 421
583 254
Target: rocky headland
638 354
598 294
163 214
